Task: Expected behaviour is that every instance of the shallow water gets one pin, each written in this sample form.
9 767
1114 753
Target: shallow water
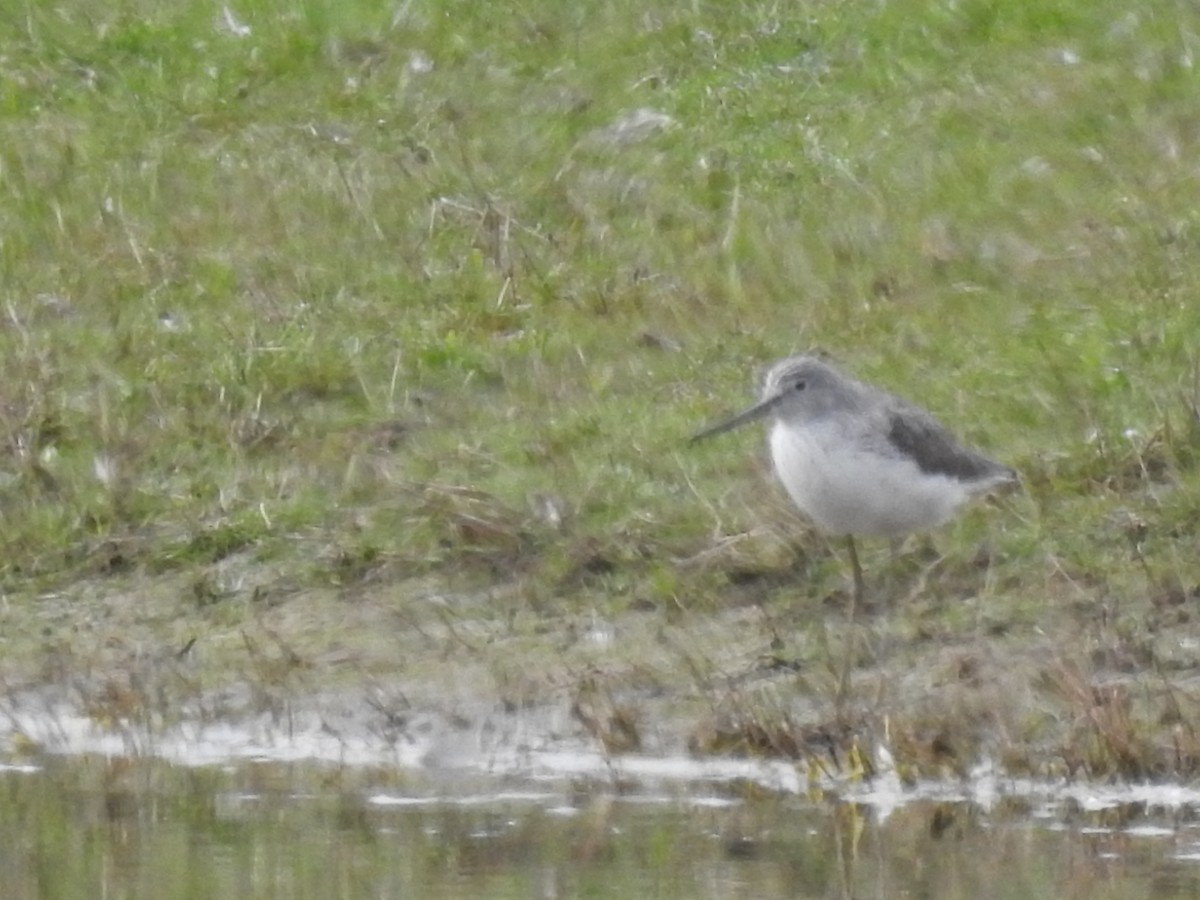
91 826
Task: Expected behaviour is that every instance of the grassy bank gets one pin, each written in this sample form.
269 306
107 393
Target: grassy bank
356 331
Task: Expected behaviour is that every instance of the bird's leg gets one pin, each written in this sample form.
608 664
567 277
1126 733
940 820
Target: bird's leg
856 597
859 588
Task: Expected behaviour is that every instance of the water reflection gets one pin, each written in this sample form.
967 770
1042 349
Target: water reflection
92 827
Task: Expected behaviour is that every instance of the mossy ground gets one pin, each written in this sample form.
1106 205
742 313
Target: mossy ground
352 340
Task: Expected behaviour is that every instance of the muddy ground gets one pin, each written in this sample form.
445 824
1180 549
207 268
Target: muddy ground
1068 689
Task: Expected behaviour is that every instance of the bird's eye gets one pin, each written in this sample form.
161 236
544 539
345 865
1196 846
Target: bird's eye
800 385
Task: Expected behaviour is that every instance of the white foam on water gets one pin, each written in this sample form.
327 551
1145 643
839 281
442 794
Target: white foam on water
448 750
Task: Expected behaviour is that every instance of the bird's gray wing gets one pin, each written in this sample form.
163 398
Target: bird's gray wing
923 439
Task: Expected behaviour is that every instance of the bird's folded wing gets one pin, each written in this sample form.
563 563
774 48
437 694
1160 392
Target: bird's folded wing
935 451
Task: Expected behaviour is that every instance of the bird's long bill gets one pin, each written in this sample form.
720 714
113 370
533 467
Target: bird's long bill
757 411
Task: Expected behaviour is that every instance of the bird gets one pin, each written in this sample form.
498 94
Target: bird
859 461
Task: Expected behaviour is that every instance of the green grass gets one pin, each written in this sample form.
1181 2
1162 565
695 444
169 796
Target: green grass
358 291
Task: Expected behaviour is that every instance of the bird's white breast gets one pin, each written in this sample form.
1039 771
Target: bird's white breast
847 486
